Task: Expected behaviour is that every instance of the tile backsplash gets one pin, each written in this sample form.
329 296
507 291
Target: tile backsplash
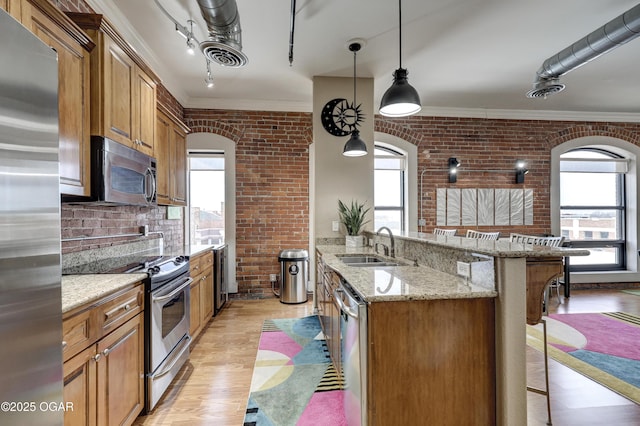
84 226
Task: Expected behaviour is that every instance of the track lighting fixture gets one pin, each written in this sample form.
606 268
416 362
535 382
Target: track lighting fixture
521 170
355 147
401 99
453 169
190 46
209 79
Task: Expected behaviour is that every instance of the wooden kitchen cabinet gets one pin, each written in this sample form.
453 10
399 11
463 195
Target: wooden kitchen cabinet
433 360
194 311
201 271
73 47
104 360
12 7
123 87
171 156
328 313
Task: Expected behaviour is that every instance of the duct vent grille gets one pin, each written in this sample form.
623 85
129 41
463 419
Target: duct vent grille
223 54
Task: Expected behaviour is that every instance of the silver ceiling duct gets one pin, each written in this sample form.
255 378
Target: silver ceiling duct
224 45
613 34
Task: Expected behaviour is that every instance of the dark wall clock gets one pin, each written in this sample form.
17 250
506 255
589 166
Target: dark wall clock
340 118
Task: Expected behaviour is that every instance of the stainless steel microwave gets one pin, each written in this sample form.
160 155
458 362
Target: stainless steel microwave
121 175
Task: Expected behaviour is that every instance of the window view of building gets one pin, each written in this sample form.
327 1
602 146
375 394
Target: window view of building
592 207
389 188
206 198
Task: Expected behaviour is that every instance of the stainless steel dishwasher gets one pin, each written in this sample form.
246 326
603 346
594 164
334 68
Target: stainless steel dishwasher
353 335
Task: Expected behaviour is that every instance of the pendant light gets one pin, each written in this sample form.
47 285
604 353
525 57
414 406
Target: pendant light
355 147
401 99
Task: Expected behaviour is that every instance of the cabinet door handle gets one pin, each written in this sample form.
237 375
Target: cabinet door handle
108 350
126 306
64 345
96 357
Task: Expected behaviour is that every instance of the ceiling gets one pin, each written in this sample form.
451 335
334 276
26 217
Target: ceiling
465 57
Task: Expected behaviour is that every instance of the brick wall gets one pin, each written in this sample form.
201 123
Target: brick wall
272 187
482 144
171 103
73 6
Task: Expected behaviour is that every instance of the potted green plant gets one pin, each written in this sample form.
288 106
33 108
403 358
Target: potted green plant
353 219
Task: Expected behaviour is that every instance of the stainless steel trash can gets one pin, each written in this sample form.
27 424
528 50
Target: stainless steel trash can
294 272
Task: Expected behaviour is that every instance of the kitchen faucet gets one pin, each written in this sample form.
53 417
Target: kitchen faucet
393 243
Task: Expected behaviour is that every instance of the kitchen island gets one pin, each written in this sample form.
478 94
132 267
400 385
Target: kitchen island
444 348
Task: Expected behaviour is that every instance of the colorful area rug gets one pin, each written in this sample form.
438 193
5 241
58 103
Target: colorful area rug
294 382
604 347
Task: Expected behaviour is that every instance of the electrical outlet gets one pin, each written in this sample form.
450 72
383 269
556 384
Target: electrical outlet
335 226
464 269
273 277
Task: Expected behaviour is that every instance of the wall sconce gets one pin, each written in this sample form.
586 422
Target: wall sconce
521 170
453 169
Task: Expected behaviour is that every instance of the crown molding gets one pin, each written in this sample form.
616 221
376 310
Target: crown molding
129 33
524 114
249 105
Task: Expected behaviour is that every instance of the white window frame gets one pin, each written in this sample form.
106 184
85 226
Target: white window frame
411 201
632 153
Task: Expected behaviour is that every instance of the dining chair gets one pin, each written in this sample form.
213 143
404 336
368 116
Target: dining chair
482 235
447 232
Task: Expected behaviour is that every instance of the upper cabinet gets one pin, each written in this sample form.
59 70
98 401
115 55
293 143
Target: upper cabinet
171 156
72 46
123 87
12 7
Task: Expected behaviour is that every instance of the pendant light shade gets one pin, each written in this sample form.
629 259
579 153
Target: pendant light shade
401 99
355 147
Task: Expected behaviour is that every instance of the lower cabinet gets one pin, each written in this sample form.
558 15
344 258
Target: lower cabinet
201 271
105 381
328 312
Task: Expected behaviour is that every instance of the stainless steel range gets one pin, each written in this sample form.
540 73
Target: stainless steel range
167 313
167 316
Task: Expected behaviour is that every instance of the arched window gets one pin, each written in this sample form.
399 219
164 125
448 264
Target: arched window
593 207
390 187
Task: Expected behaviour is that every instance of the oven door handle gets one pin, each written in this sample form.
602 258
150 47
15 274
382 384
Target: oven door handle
187 343
344 308
173 293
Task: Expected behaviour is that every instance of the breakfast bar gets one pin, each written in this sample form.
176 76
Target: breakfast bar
498 278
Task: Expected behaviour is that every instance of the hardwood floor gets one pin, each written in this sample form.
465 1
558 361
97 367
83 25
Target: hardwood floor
214 386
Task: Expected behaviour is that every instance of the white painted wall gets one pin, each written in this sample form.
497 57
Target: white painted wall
338 177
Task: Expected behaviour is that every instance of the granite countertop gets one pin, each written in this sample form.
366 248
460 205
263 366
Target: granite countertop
498 248
78 290
400 283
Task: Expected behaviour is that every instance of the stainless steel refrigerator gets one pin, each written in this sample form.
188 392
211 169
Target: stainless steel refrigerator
30 273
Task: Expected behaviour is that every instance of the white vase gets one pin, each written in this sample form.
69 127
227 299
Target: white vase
354 241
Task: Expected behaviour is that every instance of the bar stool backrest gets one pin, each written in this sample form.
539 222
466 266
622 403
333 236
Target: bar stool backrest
482 235
448 232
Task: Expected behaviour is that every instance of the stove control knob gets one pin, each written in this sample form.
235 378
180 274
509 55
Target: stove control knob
179 260
154 270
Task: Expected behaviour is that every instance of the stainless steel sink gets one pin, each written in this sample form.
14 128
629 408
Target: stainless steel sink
365 260
360 258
